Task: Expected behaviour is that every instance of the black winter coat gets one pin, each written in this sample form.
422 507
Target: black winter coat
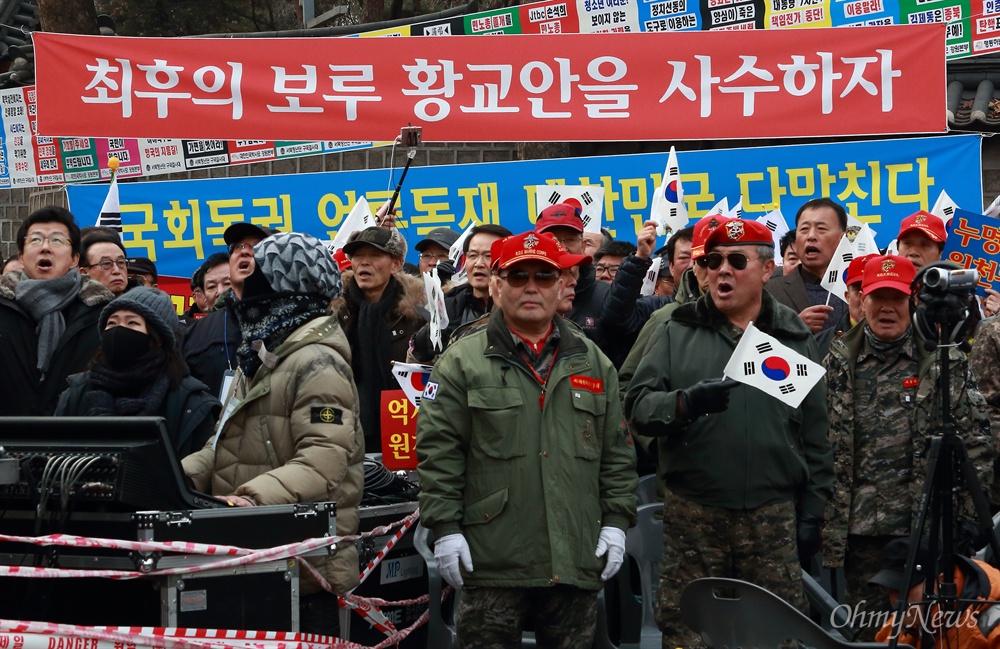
23 392
189 410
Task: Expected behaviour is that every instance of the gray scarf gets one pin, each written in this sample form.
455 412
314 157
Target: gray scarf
44 300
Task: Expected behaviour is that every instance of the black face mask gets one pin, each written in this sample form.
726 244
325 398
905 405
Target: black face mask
123 347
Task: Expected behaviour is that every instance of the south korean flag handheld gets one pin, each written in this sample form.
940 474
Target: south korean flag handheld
435 306
668 209
737 211
589 199
762 362
412 379
944 207
359 218
653 274
775 222
457 254
721 208
864 242
833 278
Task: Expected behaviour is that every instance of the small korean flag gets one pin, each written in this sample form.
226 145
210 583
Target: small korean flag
775 222
667 207
833 278
764 363
589 198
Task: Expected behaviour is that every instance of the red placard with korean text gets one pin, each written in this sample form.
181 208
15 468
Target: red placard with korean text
558 87
399 430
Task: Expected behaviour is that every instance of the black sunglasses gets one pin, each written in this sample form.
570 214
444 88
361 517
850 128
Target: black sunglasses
713 260
543 278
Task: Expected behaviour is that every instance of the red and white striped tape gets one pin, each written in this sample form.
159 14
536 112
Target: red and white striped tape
407 524
42 635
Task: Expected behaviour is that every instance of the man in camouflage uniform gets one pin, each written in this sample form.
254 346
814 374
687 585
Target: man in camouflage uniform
883 407
748 476
984 361
527 471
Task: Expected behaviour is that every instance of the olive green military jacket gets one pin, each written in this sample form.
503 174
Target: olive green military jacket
760 451
530 487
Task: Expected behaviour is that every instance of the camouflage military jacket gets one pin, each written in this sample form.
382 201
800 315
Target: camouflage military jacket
907 405
984 361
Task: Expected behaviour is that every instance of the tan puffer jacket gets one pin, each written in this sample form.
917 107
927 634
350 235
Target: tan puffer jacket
295 437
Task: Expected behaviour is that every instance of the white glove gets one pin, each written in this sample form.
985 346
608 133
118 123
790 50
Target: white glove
611 541
447 552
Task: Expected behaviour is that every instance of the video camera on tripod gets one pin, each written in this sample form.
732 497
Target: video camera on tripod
943 293
942 305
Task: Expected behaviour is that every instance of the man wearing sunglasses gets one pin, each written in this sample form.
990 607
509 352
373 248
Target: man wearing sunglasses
527 470
748 476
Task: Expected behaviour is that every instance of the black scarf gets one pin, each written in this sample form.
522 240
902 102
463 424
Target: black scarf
271 319
370 344
129 392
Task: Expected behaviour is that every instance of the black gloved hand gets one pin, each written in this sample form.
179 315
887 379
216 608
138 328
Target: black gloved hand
708 396
809 538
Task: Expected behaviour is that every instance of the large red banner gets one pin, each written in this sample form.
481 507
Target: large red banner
563 87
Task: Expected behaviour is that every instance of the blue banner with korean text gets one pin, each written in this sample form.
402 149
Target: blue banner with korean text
974 242
179 223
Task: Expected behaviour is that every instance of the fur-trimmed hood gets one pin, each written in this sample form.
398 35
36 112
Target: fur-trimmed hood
92 292
411 296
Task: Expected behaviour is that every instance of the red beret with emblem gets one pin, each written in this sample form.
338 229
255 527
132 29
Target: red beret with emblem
702 229
926 223
888 271
737 232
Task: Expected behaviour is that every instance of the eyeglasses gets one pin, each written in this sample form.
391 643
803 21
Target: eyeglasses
428 256
236 247
543 278
107 264
142 279
713 260
566 240
473 257
55 240
601 269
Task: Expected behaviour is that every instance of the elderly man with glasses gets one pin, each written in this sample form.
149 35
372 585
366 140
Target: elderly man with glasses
527 471
748 475
48 314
